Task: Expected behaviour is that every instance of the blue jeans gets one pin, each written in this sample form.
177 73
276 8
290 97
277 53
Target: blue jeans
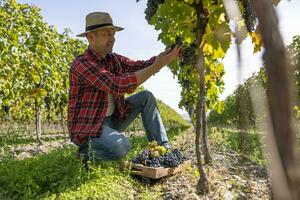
112 144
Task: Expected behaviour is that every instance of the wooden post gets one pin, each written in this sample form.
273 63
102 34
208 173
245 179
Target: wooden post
279 102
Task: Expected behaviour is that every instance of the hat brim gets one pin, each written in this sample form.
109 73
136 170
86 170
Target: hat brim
117 28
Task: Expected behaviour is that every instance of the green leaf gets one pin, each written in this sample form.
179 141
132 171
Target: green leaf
257 41
223 35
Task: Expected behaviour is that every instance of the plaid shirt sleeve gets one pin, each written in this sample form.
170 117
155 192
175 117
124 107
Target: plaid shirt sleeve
99 77
129 65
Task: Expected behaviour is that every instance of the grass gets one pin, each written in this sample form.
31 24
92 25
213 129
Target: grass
246 143
16 140
59 175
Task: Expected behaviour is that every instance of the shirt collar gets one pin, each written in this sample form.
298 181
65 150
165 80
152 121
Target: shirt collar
93 54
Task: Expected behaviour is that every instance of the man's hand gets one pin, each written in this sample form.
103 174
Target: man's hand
168 56
161 60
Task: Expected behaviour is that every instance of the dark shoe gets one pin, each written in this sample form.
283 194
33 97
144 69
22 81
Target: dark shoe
81 156
166 145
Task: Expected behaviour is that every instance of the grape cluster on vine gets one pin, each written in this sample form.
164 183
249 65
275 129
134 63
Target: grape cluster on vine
249 15
187 84
188 52
178 41
47 101
158 156
152 7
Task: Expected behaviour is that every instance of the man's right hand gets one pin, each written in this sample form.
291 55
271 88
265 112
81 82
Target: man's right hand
168 56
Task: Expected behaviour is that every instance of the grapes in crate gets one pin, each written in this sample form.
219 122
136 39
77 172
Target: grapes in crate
158 156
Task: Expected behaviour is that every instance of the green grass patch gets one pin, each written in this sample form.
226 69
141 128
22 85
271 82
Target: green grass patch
30 139
59 175
42 175
245 143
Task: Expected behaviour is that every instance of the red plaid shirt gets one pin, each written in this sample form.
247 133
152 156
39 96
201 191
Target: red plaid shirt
91 79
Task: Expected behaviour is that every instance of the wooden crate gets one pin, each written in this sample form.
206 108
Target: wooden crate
158 172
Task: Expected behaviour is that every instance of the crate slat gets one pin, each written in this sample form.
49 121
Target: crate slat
158 172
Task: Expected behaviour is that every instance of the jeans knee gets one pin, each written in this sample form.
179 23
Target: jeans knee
148 95
121 149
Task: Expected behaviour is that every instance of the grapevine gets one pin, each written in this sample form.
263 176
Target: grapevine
34 66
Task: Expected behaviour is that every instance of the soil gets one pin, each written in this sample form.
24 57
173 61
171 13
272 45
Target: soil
230 175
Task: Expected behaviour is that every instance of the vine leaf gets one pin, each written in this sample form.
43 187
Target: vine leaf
257 41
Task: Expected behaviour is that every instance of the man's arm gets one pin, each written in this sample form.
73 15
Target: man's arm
129 65
90 74
162 60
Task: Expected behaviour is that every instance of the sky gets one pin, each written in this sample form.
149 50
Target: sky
139 40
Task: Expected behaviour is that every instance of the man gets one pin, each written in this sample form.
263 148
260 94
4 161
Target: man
97 111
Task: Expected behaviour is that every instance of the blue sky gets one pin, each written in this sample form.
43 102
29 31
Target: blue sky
139 40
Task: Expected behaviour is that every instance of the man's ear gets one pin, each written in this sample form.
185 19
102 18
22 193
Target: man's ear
90 37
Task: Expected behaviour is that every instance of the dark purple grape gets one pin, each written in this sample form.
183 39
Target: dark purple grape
142 157
152 6
249 15
47 102
172 159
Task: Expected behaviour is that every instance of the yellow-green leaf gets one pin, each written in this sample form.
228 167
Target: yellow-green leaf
257 41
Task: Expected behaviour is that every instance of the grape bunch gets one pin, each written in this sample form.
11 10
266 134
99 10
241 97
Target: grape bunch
142 157
152 6
47 102
187 84
249 15
188 52
155 162
172 159
158 156
178 41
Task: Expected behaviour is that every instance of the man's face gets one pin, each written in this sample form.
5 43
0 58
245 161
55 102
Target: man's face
102 40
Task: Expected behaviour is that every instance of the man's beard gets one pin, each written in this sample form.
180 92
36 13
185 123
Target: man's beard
109 49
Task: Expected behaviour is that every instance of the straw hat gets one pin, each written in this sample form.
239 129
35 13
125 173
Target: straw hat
98 20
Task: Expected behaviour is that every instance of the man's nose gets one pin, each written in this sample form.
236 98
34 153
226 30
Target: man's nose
112 39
